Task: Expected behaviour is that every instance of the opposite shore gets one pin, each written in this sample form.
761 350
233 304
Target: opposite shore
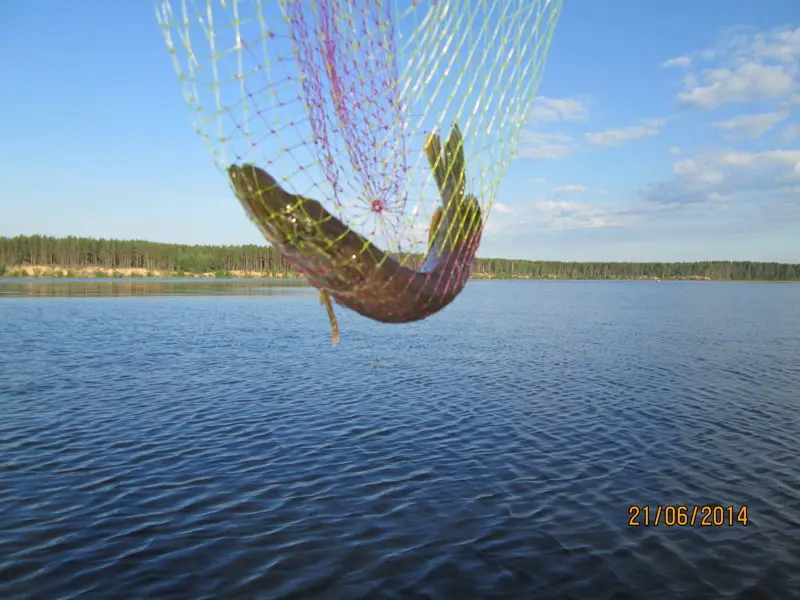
61 272
42 256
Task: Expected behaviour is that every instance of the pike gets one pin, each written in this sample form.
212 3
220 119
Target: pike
348 268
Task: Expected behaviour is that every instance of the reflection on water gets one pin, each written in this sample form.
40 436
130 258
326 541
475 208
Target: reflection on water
61 288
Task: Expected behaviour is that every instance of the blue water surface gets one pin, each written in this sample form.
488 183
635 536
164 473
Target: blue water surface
213 444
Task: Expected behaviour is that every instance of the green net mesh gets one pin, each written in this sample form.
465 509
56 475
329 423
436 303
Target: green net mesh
365 138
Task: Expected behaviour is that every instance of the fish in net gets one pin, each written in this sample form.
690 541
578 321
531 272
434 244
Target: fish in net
326 116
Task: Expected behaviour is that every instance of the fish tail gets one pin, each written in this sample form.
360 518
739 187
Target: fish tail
460 213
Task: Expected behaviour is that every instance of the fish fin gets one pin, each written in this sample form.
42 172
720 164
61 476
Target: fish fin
434 230
457 215
456 163
449 167
325 300
433 150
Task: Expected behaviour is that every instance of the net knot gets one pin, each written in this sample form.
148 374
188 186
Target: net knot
378 206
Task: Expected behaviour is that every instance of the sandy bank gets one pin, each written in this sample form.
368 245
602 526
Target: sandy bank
104 272
44 271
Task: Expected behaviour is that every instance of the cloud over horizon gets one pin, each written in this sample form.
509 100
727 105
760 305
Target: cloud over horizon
729 162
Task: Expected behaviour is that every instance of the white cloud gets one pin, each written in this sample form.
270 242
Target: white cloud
750 82
690 81
791 132
764 159
495 227
751 189
690 168
747 187
754 178
710 192
556 215
751 126
558 109
555 206
782 44
617 137
543 146
567 189
503 208
747 67
679 61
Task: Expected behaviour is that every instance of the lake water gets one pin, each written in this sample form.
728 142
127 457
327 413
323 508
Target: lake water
204 440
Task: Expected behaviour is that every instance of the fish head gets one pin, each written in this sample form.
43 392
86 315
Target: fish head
289 221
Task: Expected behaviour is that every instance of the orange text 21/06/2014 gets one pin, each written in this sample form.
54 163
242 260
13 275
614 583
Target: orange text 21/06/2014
683 515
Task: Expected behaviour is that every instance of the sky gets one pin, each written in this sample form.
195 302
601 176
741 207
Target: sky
660 132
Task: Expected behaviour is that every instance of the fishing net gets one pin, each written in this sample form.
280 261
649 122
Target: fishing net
380 129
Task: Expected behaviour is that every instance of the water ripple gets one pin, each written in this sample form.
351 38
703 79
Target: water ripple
218 447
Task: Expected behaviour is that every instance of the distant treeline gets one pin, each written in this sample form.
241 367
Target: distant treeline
79 252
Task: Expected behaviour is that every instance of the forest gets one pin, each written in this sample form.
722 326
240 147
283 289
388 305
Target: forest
72 253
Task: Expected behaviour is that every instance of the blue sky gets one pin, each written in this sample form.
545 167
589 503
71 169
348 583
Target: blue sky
660 132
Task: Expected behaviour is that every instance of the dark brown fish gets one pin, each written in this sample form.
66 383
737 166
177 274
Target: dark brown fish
347 267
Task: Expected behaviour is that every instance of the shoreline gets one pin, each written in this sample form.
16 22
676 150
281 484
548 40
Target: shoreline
58 272
105 273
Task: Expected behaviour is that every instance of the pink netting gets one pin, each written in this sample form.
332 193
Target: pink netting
348 59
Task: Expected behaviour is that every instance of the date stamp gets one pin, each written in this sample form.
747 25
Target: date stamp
680 515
